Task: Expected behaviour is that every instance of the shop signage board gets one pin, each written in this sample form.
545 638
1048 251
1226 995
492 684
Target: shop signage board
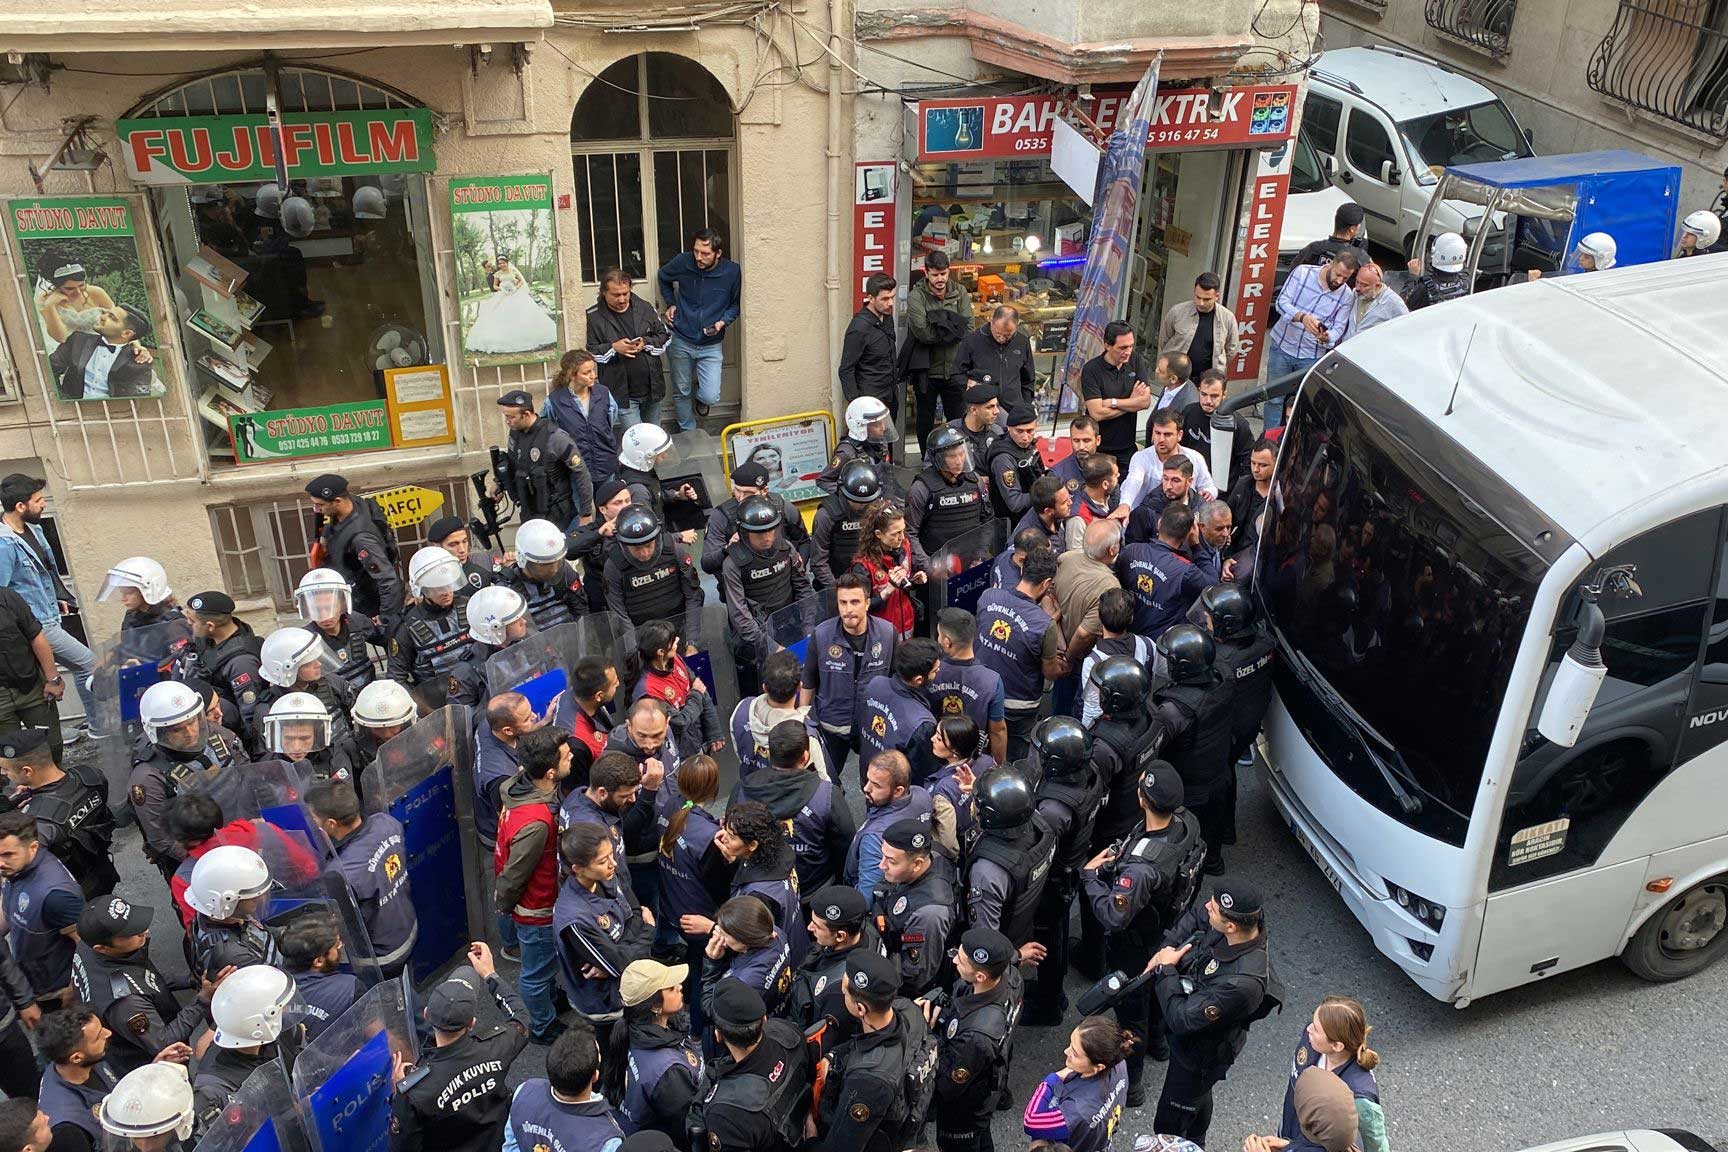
407 504
1259 265
873 210
241 149
1003 127
325 430
506 255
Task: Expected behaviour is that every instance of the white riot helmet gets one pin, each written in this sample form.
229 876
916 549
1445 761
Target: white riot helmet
1703 226
299 218
432 569
541 542
250 1005
168 704
151 579
369 203
863 412
383 704
287 650
282 733
642 445
493 609
323 594
1600 247
223 877
150 1101
268 205
1449 252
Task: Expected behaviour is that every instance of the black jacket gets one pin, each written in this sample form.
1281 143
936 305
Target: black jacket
867 356
1008 366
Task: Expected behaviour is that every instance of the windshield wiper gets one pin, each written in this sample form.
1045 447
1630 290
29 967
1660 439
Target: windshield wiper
1340 708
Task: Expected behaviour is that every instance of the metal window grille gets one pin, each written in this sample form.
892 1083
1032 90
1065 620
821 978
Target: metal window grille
1486 24
1668 58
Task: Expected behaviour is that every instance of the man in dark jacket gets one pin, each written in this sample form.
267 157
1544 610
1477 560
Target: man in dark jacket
938 316
628 341
867 357
997 354
358 544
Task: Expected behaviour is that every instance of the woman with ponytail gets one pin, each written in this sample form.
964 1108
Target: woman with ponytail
578 403
1337 1040
1080 1103
695 876
651 1064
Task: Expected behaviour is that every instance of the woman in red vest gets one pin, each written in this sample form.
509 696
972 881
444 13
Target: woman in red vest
885 559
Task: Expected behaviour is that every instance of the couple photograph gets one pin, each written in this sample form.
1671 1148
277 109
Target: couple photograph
506 270
93 317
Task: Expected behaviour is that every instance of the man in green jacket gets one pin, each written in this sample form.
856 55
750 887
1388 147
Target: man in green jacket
938 316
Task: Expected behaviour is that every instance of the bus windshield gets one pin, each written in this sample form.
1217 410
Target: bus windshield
1398 604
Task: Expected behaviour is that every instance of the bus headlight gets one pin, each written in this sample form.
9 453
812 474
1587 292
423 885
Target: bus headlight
1432 914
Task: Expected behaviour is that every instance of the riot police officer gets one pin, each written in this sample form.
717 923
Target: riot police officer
834 531
759 1088
545 475
1014 465
433 633
544 578
296 660
298 729
1137 888
177 751
382 712
1213 978
457 1099
1244 662
1069 796
947 499
358 542
140 583
1195 709
1011 860
71 808
40 900
373 857
748 480
324 601
977 1039
452 535
650 574
228 887
497 618
762 574
1443 277
867 438
227 658
839 924
866 1106
1129 734
113 973
151 1108
258 1021
977 425
916 907
640 452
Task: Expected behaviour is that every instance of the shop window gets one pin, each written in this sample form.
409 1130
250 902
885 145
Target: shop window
1368 145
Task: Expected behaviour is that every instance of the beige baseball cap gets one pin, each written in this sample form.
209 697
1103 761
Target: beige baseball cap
643 978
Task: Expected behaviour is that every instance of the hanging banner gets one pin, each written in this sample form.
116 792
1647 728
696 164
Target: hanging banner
87 292
872 222
242 149
1259 268
328 430
1008 126
506 268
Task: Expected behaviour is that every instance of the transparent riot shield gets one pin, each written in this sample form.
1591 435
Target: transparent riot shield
789 629
425 779
960 571
124 668
343 1077
262 1117
533 666
598 634
298 891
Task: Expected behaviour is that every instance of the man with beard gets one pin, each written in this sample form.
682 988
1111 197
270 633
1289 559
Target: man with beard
620 797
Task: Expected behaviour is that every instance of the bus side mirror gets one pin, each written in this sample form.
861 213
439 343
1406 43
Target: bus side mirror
1576 682
1223 439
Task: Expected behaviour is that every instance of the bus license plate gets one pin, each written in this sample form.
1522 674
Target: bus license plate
1319 860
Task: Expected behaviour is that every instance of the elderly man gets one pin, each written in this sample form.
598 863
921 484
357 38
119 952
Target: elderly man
1375 303
1202 329
1083 575
1315 312
997 354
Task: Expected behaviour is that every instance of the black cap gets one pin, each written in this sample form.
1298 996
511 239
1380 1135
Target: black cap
736 1004
872 972
328 486
908 835
987 947
17 745
138 322
107 919
516 398
1162 786
1021 414
982 394
212 603
1349 213
749 475
443 528
454 1004
608 491
648 1140
1237 899
841 905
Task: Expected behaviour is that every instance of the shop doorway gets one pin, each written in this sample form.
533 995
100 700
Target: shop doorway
654 149
1189 203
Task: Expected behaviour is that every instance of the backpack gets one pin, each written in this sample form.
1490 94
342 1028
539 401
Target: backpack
918 1085
386 534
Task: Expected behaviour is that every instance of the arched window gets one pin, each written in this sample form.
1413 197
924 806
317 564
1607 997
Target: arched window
297 90
653 144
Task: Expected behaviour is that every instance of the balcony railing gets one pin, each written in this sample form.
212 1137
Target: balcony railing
1485 24
1661 57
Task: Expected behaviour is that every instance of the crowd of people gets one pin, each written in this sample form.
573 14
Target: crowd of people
1047 778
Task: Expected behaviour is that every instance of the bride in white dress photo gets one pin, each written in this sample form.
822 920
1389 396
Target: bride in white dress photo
510 319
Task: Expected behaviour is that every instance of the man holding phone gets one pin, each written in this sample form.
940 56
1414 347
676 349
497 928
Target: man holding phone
627 340
1315 307
700 288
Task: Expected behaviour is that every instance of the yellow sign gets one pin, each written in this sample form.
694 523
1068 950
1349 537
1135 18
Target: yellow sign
420 406
793 450
408 504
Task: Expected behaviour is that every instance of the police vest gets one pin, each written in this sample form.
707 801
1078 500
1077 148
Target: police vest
782 1096
767 579
843 541
1201 753
40 950
1220 1044
1173 862
895 905
333 692
807 813
642 1074
440 636
1245 664
953 509
1153 576
541 477
375 861
341 538
818 987
553 602
1027 466
682 889
915 805
538 1120
1010 639
652 591
777 887
75 1104
909 1066
842 670
219 658
100 981
1083 796
80 827
964 687
1026 859
354 662
991 1018
1443 286
889 714
215 946
599 912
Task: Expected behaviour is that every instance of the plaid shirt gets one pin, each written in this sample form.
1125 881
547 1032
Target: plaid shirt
1305 293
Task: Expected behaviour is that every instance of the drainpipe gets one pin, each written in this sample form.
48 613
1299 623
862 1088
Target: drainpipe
836 190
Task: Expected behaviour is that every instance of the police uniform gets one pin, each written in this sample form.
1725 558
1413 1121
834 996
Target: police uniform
468 677
1164 583
131 996
335 693
939 510
664 587
834 537
767 970
757 1103
611 930
1005 882
230 666
219 944
976 1039
160 773
538 1119
1209 998
823 827
74 1105
543 462
915 921
817 992
1013 470
775 882
864 856
363 549
38 902
978 443
220 1073
72 817
327 996
1129 747
353 658
374 859
1245 664
757 586
722 523
837 666
1069 805
865 1106
428 642
1010 642
1436 287
966 688
894 716
1198 720
457 1099
659 1080
551 602
17 1061
878 454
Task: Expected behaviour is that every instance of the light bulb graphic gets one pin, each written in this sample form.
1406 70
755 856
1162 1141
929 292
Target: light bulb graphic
963 133
1033 243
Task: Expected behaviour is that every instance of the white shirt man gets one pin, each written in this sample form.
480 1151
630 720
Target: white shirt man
1146 469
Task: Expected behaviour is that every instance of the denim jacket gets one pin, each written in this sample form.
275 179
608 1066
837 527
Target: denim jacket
22 570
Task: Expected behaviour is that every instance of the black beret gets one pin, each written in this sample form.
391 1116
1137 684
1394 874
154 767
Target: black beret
443 528
736 1004
908 835
749 475
841 905
14 745
516 398
213 603
987 947
1237 898
868 971
1161 784
328 486
982 394
1021 414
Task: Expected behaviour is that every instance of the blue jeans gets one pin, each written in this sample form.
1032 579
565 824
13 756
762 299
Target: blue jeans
539 970
638 412
701 360
1280 363
507 930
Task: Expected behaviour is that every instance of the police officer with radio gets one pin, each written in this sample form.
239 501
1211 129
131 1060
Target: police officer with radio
358 542
71 808
1069 795
1014 464
839 924
1195 710
834 531
650 575
748 480
1244 662
1011 861
432 634
1137 888
1213 979
947 499
544 473
759 1090
865 1106
976 1029
916 907
543 577
762 574
113 973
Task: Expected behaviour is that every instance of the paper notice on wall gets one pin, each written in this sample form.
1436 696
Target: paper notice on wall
1074 158
426 424
1538 841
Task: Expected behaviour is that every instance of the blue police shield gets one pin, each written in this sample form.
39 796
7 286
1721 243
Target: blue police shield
123 669
960 572
343 1077
261 1117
